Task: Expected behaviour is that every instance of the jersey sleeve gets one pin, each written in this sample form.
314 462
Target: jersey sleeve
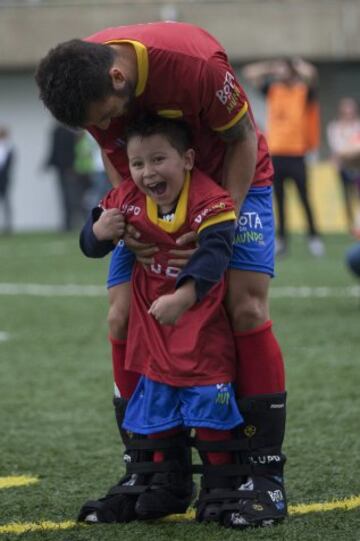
213 208
112 199
209 262
89 244
224 100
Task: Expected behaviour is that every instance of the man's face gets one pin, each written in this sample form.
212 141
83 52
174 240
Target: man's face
100 113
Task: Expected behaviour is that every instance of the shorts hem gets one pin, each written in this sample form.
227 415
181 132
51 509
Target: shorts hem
154 428
255 268
217 425
182 423
109 285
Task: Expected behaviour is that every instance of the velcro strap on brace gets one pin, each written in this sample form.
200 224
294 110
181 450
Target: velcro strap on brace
153 467
220 446
147 444
131 490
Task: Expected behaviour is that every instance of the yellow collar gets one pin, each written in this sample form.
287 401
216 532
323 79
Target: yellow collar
180 211
142 62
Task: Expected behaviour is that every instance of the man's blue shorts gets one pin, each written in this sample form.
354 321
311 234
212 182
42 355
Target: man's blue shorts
253 244
254 240
155 407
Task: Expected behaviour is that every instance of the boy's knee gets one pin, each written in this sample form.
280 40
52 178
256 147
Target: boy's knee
118 318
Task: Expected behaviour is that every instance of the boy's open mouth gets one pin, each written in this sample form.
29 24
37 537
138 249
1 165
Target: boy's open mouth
157 189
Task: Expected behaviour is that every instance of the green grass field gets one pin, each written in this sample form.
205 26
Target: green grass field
56 395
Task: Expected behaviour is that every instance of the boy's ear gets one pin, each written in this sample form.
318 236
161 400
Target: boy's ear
117 77
189 157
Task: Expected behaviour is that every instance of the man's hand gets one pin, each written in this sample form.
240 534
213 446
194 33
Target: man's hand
110 225
167 309
182 256
143 252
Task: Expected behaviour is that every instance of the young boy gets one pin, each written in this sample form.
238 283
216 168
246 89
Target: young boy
179 337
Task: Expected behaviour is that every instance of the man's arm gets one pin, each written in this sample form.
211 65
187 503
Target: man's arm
113 175
238 173
240 159
305 71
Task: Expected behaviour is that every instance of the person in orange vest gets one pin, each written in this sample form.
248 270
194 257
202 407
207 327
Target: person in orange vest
293 130
343 138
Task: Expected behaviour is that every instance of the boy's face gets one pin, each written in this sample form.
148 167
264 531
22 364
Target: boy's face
158 169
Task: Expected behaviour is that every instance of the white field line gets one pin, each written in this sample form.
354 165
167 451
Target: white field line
4 336
74 290
305 292
44 290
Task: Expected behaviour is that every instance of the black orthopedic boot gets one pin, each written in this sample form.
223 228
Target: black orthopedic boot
251 491
171 489
118 505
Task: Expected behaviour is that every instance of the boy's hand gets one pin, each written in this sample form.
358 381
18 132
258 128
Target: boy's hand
110 225
167 309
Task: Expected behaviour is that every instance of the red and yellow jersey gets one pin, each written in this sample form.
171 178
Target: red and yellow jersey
293 121
199 349
182 72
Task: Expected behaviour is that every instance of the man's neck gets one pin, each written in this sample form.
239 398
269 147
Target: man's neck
126 60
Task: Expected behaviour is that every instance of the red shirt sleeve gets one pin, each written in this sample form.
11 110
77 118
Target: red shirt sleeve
216 207
111 199
116 197
225 102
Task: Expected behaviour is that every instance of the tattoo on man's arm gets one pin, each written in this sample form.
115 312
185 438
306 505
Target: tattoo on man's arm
240 131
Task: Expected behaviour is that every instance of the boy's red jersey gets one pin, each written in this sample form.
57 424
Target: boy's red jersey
199 349
182 72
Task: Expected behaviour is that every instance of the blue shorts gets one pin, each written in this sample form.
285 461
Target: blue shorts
254 240
253 244
155 407
121 264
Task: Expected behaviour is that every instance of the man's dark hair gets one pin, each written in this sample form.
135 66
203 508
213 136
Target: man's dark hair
176 131
71 76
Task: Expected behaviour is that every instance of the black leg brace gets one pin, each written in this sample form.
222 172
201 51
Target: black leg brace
118 505
249 492
148 489
171 488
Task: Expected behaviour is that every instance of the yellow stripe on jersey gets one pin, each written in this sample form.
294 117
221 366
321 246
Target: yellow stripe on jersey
142 62
218 219
170 113
233 121
180 212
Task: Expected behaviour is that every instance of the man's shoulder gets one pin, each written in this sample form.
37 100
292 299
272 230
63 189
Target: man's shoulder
176 37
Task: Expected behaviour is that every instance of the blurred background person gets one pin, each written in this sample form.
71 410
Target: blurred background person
61 157
84 168
6 163
293 131
99 183
343 136
352 259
